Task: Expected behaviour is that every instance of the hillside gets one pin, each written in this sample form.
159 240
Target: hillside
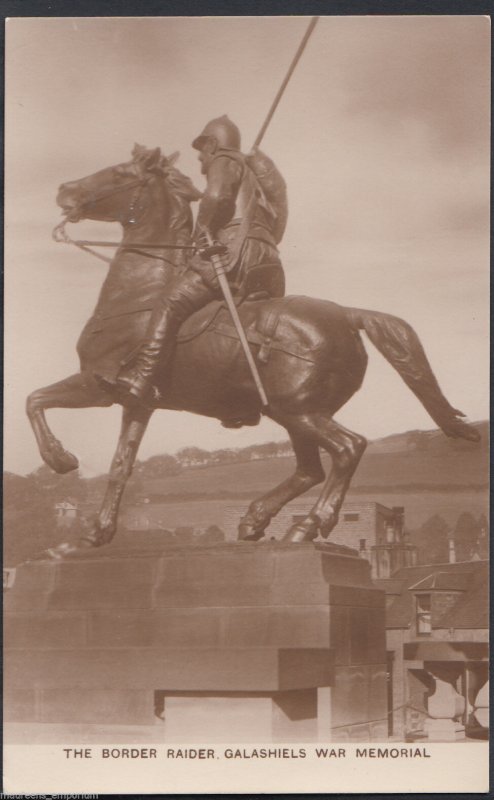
412 461
425 472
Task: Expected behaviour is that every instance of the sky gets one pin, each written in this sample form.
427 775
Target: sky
382 137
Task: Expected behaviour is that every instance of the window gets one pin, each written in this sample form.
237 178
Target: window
362 543
351 517
423 607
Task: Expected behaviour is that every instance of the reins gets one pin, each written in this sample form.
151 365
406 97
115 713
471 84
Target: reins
59 234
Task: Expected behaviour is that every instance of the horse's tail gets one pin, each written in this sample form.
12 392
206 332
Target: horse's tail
400 345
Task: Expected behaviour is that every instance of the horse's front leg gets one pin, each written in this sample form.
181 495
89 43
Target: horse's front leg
77 391
134 424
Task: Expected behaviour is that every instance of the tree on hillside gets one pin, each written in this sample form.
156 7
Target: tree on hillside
157 467
28 521
225 456
212 535
432 541
29 508
59 487
466 536
193 455
15 488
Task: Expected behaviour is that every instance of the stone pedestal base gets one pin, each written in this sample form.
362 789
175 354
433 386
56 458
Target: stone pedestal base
444 730
272 642
241 717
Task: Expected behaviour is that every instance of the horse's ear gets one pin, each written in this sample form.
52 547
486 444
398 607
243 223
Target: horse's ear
169 161
146 158
138 151
152 158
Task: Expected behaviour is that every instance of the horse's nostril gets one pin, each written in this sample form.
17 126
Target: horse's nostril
67 196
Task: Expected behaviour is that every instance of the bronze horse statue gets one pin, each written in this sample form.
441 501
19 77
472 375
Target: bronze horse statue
309 353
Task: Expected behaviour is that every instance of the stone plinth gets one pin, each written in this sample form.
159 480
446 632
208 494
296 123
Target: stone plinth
232 641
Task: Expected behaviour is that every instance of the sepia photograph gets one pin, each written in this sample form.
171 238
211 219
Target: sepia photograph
246 400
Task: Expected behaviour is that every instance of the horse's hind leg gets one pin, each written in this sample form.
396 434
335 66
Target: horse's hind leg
346 449
77 391
134 424
308 473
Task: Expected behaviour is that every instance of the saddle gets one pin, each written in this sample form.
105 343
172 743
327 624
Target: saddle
200 321
260 315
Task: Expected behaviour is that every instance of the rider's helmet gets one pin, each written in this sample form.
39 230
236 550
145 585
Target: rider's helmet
223 130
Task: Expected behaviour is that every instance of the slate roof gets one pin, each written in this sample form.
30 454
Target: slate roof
469 578
444 581
473 612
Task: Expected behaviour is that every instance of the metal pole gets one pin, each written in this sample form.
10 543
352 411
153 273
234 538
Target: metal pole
283 86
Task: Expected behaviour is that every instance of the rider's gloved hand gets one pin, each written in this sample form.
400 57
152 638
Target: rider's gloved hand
215 249
206 249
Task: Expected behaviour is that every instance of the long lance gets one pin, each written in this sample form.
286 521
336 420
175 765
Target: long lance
284 84
216 259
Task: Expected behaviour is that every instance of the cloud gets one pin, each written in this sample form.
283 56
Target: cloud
428 70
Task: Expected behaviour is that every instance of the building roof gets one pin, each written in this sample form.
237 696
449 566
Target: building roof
473 610
443 581
470 609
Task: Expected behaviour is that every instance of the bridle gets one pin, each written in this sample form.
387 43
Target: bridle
137 184
59 233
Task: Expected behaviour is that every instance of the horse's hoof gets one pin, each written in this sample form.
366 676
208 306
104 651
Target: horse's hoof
305 531
56 553
59 459
248 533
62 550
97 538
90 541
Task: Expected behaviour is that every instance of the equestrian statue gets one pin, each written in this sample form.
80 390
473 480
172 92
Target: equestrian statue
163 335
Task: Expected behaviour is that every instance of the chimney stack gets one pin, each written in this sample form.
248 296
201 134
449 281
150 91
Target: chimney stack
452 552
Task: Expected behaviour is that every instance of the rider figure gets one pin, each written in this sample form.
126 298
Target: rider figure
235 213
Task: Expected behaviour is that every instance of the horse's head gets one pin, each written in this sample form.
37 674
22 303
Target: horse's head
117 194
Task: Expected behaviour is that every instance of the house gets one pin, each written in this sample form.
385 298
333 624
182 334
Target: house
66 513
374 530
437 642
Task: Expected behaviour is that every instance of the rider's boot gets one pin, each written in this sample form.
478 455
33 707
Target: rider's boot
135 382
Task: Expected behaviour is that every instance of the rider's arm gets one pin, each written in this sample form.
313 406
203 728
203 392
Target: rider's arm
217 206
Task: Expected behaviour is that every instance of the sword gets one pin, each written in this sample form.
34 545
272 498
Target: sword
219 269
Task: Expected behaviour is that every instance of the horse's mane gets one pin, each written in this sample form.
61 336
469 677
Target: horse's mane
182 193
181 185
